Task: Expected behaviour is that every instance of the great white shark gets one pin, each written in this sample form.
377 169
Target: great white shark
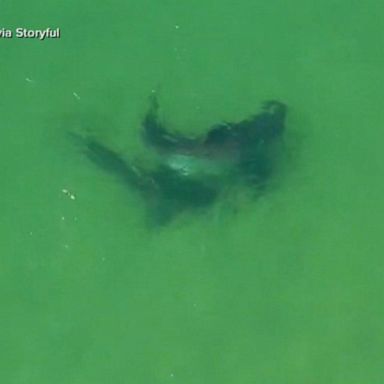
192 172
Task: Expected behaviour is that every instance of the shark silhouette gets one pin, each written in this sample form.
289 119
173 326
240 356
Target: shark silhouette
192 172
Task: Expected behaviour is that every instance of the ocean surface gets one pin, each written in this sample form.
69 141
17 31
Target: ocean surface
287 288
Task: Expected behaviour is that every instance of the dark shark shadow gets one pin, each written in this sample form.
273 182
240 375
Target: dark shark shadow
192 172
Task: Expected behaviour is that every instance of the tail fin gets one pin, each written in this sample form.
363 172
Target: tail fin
107 159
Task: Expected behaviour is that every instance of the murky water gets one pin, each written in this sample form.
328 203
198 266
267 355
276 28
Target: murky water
284 289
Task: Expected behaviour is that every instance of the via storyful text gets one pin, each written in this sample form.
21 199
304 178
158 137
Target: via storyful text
26 33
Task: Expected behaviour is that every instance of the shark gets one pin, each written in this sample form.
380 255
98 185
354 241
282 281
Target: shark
192 172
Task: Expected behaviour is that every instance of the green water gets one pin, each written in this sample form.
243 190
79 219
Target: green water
287 289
